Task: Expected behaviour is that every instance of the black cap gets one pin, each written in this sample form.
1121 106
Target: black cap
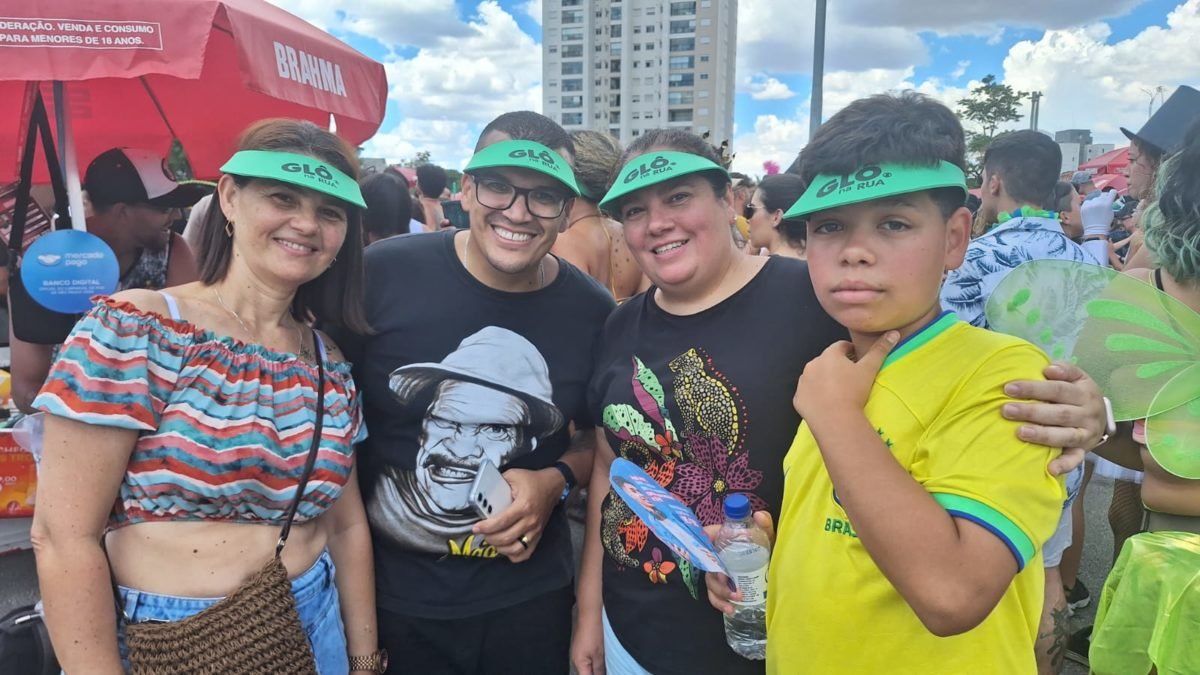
131 176
1166 127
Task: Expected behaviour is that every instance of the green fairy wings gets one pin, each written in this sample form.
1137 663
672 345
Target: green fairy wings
1140 345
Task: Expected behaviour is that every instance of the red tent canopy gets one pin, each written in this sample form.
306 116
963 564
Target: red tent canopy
1117 182
139 73
1111 162
409 174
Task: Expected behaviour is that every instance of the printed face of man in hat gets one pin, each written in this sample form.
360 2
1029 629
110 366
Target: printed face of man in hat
466 424
491 398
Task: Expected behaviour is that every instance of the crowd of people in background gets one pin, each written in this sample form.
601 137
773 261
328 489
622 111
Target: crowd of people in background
816 340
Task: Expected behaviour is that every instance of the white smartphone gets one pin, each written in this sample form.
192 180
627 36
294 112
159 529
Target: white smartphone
490 493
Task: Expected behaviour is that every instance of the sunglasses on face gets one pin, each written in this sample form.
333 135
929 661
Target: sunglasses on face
749 210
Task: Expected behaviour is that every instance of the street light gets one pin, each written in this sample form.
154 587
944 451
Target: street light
818 77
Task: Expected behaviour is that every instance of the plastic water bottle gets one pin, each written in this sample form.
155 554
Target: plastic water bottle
745 549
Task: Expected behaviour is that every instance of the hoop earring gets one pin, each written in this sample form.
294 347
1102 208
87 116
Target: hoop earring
229 229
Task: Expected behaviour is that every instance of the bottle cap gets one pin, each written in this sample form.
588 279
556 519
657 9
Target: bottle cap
737 507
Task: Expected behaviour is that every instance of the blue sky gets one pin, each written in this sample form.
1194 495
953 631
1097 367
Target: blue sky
455 64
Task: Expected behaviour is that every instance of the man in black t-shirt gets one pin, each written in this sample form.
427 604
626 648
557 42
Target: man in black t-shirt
490 361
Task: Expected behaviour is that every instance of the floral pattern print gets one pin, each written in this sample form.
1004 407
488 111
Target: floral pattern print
701 466
997 252
657 568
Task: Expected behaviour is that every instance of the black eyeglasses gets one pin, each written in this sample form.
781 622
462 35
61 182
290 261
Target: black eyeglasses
541 202
748 211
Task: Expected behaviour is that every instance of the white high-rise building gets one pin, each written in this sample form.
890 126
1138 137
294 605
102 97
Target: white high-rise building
625 66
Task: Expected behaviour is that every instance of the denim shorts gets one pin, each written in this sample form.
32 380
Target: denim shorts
617 661
1060 541
316 601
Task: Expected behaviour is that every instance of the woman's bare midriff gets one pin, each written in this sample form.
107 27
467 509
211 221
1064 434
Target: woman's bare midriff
1166 493
205 559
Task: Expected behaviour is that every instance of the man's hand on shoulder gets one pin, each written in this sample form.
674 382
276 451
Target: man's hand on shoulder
1070 414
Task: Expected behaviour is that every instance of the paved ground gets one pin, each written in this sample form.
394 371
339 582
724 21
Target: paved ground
1097 555
18 579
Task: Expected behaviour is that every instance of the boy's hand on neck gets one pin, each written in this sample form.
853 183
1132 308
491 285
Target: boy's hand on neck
836 384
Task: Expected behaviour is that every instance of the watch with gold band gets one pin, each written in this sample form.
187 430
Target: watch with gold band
372 663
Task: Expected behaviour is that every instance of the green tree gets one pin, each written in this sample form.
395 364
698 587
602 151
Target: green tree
420 159
177 161
988 106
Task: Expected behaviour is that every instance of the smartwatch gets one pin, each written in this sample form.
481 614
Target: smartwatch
568 476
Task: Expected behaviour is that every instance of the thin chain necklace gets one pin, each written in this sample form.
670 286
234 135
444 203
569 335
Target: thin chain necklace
585 217
467 263
300 348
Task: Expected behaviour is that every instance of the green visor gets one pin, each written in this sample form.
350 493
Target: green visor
296 169
875 181
654 168
525 155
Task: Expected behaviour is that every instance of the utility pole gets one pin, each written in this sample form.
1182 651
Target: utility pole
1035 99
818 77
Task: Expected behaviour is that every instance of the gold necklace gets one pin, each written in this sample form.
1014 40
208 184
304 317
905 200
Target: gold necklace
467 263
300 348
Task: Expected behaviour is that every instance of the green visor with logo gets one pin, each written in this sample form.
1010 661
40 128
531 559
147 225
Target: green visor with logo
518 154
653 168
875 181
296 169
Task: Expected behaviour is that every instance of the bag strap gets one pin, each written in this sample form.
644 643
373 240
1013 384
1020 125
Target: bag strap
39 123
312 453
16 234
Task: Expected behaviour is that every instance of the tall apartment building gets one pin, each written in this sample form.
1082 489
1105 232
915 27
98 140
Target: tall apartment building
625 66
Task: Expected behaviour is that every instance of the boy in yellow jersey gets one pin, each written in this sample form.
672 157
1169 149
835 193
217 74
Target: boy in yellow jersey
913 515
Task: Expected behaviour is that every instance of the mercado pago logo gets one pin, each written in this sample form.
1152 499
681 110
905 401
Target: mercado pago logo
319 174
654 167
864 179
299 66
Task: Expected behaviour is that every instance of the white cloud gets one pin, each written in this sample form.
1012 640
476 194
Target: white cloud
448 142
763 88
469 69
773 139
776 36
497 68
533 9
464 74
843 88
780 140
1090 83
411 22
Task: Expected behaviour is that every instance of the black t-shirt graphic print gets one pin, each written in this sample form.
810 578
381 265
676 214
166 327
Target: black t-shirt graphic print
491 399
